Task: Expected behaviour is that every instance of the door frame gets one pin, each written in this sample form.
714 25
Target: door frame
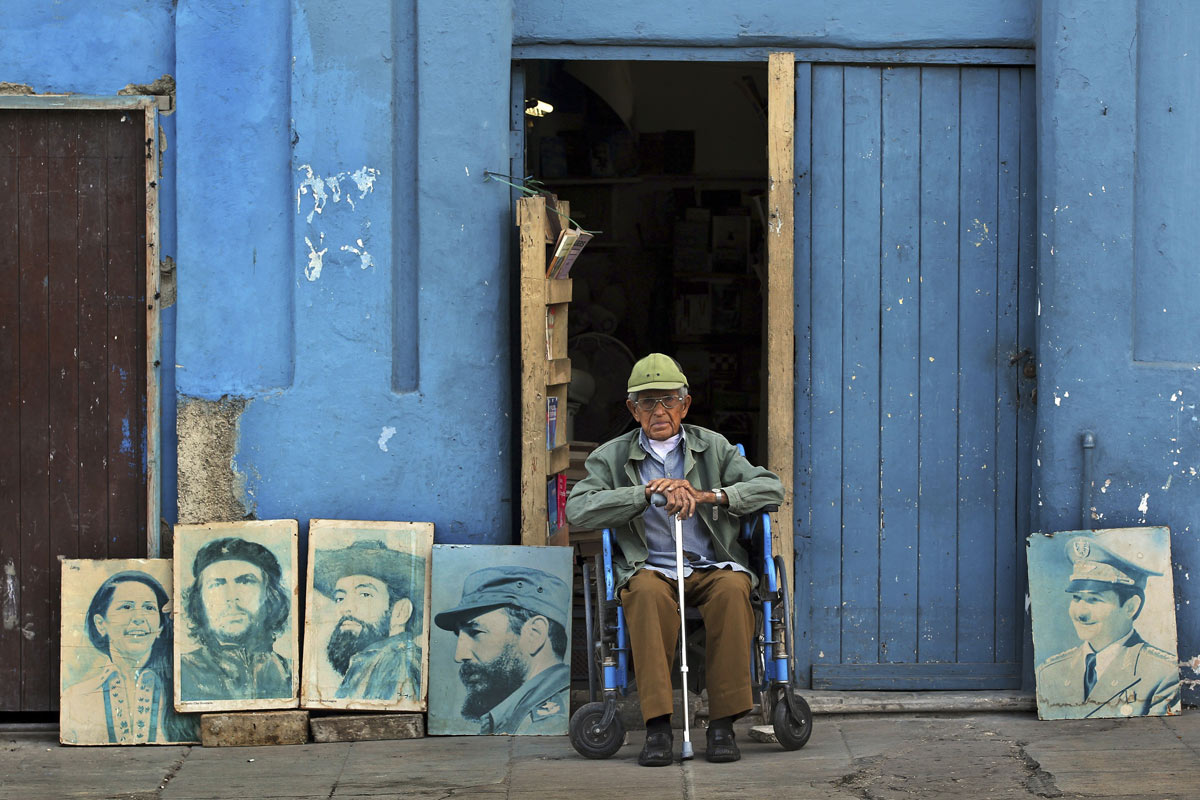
788 314
779 355
150 105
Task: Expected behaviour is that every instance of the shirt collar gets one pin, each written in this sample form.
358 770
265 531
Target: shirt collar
648 445
1108 654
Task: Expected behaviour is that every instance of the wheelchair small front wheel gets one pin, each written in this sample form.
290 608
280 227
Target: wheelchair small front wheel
790 732
590 739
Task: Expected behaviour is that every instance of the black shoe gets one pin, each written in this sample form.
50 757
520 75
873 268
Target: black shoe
658 750
721 747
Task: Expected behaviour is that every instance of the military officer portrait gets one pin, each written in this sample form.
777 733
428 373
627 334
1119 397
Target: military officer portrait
509 650
1111 669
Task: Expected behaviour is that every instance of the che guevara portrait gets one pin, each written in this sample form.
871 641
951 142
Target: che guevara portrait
236 598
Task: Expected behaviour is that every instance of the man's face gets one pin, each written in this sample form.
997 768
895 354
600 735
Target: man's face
364 606
491 665
232 593
659 422
1099 617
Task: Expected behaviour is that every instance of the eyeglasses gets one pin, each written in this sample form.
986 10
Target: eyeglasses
668 402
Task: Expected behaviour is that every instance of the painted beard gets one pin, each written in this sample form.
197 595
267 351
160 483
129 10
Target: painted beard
345 644
488 684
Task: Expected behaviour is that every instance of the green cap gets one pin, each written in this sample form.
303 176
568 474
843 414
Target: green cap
656 371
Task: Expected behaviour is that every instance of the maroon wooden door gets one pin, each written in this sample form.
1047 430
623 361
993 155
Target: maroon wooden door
72 370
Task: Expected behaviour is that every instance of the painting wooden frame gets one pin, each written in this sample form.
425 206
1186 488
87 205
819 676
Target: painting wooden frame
1104 635
116 655
249 658
367 607
472 585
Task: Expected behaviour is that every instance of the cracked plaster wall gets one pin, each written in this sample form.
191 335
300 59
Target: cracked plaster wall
211 489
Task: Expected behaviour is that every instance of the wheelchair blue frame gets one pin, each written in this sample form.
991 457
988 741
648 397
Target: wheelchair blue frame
777 667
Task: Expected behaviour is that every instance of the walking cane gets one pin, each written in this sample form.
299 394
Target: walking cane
661 500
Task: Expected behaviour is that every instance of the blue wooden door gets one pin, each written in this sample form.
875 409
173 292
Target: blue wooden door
915 263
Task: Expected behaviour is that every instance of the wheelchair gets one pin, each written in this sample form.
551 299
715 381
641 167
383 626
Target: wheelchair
597 731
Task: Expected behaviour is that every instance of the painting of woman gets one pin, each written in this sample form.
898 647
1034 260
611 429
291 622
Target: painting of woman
126 696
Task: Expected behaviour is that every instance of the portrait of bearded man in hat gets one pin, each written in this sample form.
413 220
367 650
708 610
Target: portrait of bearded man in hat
1119 664
364 646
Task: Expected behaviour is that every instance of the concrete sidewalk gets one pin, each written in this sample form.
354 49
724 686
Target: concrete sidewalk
986 755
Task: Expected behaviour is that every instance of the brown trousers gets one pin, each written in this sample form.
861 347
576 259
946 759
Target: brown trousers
650 600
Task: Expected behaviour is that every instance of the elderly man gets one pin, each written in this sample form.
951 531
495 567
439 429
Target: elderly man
1113 671
691 466
512 638
378 593
235 608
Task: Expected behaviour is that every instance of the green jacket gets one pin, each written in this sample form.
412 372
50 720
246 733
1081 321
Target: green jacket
613 495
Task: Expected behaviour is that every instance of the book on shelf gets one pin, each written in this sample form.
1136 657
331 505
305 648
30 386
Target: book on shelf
561 498
551 316
552 505
551 421
556 503
567 248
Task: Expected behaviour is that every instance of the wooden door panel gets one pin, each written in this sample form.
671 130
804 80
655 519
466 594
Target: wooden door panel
921 202
72 370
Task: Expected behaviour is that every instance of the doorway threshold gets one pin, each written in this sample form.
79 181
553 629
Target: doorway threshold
833 702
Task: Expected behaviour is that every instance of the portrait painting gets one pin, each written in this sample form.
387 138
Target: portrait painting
500 640
366 622
236 616
1103 607
116 667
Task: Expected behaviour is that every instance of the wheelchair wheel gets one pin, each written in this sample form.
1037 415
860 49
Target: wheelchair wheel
790 732
589 739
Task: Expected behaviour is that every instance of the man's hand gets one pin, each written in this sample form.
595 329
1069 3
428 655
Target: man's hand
681 496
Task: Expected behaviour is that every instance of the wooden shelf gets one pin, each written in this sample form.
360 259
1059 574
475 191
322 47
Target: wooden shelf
545 373
558 459
558 290
558 371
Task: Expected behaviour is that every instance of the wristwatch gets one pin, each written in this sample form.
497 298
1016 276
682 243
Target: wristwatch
720 496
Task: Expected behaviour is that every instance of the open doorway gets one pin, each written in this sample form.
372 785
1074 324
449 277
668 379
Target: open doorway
668 162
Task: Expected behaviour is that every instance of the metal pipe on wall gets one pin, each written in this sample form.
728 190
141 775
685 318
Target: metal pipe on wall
1087 443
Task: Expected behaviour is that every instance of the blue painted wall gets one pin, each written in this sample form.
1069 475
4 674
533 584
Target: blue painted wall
407 325
376 361
342 263
1118 122
796 23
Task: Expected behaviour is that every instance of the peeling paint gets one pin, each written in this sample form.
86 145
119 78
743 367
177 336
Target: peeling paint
1144 506
365 258
316 258
324 189
384 435
8 614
